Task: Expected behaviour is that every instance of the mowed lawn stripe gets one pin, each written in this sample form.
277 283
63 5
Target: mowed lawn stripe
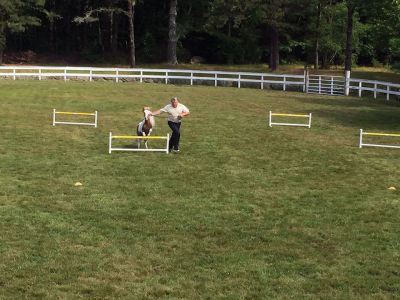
244 211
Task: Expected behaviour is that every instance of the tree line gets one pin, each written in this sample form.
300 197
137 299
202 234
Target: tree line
318 32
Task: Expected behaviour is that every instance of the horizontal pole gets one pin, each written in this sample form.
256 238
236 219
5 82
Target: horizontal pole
381 146
75 123
138 137
291 115
137 150
290 124
380 134
75 113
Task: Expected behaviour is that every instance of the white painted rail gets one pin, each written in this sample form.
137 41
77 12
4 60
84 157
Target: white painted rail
333 85
112 137
378 134
362 86
69 122
191 77
302 116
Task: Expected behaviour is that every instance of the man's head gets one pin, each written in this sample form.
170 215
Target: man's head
174 102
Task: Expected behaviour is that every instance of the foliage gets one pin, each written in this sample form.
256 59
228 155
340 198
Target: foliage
17 16
220 31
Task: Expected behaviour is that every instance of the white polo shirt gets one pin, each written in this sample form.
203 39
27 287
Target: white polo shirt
173 113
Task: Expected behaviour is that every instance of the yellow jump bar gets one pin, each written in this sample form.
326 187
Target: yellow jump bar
380 134
74 113
290 115
137 137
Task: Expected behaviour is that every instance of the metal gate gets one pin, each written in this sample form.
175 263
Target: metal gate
326 85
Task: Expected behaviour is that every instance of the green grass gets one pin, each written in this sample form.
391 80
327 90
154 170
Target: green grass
244 212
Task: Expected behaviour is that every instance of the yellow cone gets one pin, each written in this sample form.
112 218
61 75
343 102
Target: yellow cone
78 184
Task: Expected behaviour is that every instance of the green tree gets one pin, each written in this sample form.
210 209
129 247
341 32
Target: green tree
16 16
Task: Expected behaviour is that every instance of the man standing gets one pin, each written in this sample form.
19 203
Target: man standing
176 111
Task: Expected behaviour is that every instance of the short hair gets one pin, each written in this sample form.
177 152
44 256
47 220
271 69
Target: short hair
174 98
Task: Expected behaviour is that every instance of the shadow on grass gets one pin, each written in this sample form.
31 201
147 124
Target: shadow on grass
368 114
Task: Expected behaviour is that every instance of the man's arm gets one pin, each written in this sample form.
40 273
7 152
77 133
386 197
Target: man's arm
184 114
156 113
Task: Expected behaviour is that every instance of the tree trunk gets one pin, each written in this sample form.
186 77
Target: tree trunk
317 35
51 39
274 56
349 38
114 44
131 16
2 39
111 33
172 38
100 38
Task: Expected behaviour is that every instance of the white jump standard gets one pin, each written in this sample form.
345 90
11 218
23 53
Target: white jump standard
308 124
362 133
55 113
135 137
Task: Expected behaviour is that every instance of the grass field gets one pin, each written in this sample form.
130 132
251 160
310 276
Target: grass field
243 212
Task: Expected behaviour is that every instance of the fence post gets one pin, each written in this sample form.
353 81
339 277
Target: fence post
91 75
359 88
65 74
141 76
239 81
375 87
262 82
14 76
347 82
191 78
305 86
40 74
166 77
387 94
284 83
331 85
319 83
116 75
215 80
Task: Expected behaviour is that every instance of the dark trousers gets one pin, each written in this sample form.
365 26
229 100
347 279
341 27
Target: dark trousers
176 135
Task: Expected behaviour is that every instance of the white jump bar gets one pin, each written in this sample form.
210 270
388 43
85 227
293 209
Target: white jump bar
309 116
111 149
361 144
95 115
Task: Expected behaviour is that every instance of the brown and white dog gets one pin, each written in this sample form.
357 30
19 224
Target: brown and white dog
145 127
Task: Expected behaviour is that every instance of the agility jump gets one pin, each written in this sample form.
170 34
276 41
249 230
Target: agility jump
362 133
137 137
55 113
271 114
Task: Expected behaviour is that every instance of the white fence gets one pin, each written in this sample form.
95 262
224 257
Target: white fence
327 85
373 87
216 78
